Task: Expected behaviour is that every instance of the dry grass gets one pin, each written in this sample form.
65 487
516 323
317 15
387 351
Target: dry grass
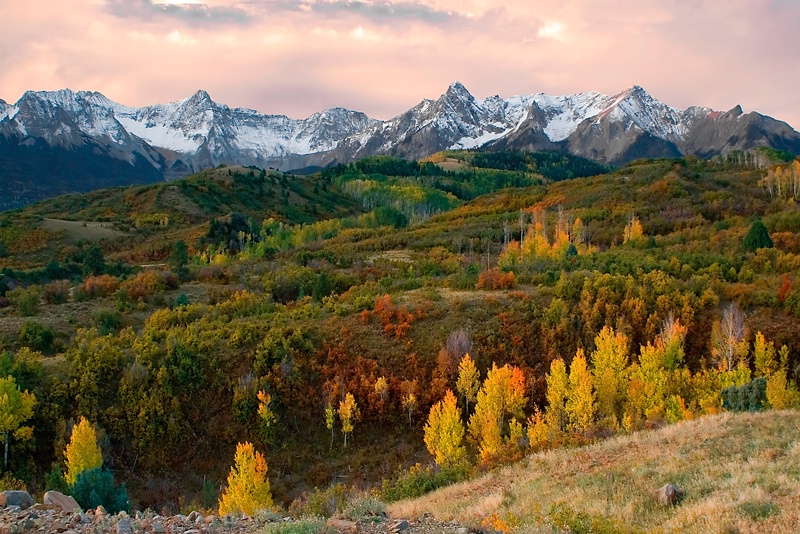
740 472
82 230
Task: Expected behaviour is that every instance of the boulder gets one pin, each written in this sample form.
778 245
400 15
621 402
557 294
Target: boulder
124 526
65 503
399 525
669 495
18 498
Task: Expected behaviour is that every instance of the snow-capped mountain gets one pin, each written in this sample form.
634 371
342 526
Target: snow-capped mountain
65 141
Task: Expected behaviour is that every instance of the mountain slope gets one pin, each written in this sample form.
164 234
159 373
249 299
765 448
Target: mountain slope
65 141
739 472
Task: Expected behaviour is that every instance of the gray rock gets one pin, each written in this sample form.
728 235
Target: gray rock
158 527
399 525
124 526
669 495
193 517
462 530
18 498
65 503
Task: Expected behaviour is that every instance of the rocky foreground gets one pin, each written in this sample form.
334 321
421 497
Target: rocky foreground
59 513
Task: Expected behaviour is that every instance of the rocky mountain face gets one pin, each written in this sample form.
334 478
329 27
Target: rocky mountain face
64 141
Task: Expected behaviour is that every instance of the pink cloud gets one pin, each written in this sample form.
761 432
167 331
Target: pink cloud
383 56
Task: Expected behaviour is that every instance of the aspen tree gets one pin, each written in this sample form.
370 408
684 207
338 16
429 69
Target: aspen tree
444 431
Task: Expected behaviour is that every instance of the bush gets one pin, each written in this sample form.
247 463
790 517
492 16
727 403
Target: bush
25 300
320 503
95 487
749 397
96 286
56 292
148 282
418 481
107 321
36 336
496 279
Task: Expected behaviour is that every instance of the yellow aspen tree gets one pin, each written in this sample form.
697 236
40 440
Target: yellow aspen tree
609 360
537 429
330 419
266 416
781 393
468 383
633 229
764 356
248 486
348 415
503 392
580 405
556 394
16 407
82 452
444 431
382 388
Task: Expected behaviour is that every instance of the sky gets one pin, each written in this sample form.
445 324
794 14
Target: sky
296 57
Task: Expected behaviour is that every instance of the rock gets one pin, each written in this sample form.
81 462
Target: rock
44 507
209 519
100 512
341 525
124 526
65 503
29 524
193 517
18 498
669 495
462 530
158 527
399 525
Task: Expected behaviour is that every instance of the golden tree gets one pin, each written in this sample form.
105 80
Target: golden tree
609 360
468 381
82 452
330 419
580 406
502 393
633 229
248 485
348 415
781 393
557 385
444 431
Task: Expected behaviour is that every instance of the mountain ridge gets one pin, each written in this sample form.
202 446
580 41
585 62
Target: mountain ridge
166 141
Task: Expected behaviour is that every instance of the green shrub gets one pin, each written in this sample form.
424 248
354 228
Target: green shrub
26 300
36 336
749 397
311 525
107 321
320 503
54 479
418 481
95 487
364 507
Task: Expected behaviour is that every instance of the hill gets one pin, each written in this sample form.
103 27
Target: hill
738 471
171 362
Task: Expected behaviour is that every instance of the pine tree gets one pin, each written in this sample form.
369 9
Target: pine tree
444 431
580 406
467 384
757 237
82 452
248 486
16 407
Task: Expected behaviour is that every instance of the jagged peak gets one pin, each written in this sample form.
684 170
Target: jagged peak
735 111
457 89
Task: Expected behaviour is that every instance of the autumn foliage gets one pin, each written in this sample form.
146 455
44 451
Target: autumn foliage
248 486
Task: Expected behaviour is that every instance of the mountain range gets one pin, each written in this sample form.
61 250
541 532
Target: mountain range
64 141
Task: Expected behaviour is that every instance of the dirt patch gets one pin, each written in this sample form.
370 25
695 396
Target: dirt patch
82 230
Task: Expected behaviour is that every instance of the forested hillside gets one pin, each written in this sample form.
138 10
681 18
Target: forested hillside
321 318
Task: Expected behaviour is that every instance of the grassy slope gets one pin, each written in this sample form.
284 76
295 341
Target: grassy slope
741 473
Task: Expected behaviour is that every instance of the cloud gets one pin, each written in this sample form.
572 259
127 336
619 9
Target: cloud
194 12
378 10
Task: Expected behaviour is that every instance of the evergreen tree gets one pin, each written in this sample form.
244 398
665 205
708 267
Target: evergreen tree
757 237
